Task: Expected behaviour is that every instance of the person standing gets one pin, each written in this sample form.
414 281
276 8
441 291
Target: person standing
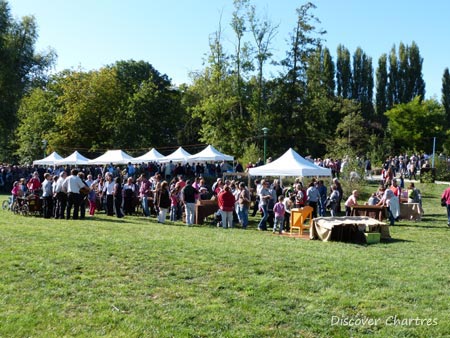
446 197
341 194
117 193
243 204
61 196
258 187
368 168
144 192
108 191
279 211
163 201
264 198
129 192
72 184
83 194
323 197
174 202
334 198
287 213
300 195
188 197
313 197
226 202
92 199
47 195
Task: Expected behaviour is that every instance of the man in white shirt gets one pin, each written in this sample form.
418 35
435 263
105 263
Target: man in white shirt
47 195
89 180
60 196
72 185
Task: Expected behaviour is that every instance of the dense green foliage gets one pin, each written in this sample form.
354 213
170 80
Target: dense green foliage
127 105
414 124
21 67
309 102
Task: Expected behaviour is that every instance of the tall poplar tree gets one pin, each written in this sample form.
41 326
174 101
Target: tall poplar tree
405 75
381 91
343 73
446 96
362 85
415 83
328 72
402 74
393 78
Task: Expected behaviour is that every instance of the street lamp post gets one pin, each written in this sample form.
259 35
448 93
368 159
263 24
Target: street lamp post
44 145
265 130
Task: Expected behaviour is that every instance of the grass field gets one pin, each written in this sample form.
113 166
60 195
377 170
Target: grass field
136 278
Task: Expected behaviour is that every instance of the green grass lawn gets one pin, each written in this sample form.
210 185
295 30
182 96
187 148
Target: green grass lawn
136 278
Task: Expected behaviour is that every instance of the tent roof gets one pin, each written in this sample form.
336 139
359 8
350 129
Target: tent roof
112 156
210 154
73 159
179 155
49 160
290 164
152 155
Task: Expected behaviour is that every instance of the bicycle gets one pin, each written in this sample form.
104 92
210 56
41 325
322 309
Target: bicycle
6 204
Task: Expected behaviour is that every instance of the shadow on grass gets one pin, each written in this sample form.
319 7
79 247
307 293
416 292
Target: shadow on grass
395 240
428 222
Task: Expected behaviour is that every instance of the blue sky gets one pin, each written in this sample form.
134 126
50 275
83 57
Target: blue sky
173 35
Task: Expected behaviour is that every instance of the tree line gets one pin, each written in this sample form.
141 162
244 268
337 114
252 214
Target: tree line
315 104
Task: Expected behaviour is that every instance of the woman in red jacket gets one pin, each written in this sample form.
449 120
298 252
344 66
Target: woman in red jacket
226 202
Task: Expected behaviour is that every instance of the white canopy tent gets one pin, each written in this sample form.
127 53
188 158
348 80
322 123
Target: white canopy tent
74 159
179 155
49 160
112 156
151 156
210 154
290 164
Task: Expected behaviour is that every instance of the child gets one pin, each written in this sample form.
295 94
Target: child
92 196
174 200
15 192
287 212
279 211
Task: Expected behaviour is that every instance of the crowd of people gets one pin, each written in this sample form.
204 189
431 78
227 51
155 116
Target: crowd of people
154 190
170 190
276 202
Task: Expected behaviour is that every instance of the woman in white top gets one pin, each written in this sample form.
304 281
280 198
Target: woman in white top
108 190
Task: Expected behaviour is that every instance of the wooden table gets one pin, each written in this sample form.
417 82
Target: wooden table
374 211
347 229
411 211
203 209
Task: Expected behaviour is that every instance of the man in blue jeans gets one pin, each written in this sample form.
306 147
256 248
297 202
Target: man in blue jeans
188 195
144 191
243 205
